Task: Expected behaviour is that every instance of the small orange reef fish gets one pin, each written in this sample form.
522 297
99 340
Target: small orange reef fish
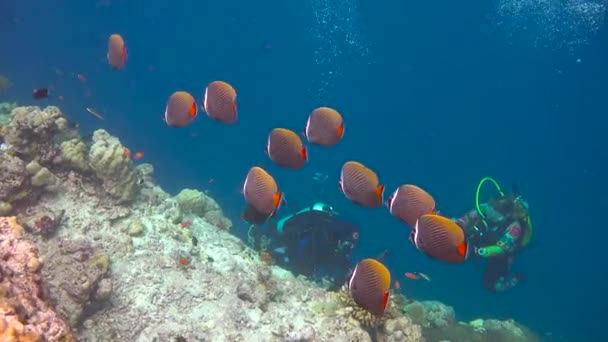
127 153
138 155
183 261
186 224
397 285
412 276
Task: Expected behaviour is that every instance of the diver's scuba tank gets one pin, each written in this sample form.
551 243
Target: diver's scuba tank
323 207
319 206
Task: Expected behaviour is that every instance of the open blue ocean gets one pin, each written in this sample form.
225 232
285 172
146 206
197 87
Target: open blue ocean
434 93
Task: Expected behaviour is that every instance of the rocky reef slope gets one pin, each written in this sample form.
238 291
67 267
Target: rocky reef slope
93 250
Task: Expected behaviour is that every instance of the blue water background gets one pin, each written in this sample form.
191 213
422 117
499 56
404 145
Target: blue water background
448 100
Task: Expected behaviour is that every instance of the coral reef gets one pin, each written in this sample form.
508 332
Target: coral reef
24 313
30 131
392 326
110 164
37 148
116 261
76 275
74 153
198 203
439 323
13 177
43 221
430 313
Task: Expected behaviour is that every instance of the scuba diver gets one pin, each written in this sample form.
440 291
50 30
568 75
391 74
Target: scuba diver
312 241
497 231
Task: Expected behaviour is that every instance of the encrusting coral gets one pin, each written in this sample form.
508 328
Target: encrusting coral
24 314
73 272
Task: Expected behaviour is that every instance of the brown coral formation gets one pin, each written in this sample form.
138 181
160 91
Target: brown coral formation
31 130
76 275
25 315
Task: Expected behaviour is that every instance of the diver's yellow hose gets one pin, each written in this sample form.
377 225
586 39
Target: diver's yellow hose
479 186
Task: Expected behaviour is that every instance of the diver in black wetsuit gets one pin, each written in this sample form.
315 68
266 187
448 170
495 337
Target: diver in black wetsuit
313 241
